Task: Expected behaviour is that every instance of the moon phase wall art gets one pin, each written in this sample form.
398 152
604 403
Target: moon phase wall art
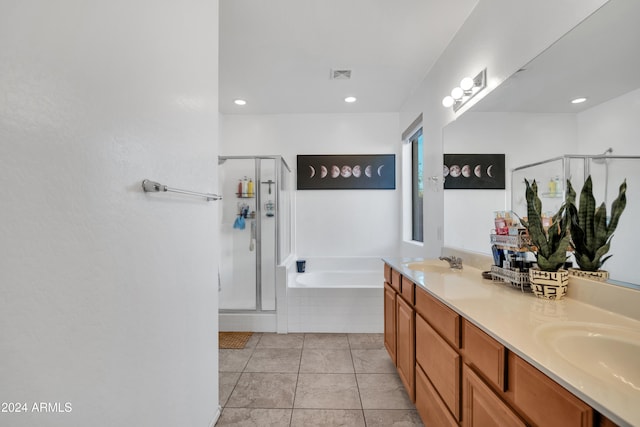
345 172
474 171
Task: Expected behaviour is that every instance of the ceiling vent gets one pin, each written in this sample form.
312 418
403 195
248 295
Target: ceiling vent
340 74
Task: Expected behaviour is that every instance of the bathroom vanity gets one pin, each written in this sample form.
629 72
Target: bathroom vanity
472 352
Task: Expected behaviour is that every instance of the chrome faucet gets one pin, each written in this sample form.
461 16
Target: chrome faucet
454 262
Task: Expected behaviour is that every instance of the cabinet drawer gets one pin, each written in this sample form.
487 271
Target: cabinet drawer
408 290
440 317
540 400
429 405
482 407
387 273
396 279
484 353
441 363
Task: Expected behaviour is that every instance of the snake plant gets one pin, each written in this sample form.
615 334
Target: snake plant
550 246
591 232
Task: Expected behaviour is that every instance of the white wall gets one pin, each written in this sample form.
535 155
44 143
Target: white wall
109 295
501 35
612 124
329 222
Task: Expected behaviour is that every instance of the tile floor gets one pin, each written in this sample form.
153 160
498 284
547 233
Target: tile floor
313 380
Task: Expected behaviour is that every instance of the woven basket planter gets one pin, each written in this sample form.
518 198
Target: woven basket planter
549 284
600 275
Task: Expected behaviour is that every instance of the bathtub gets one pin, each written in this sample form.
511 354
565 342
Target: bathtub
338 279
336 295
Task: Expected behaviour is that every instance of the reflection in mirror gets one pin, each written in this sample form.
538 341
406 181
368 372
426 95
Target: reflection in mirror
530 118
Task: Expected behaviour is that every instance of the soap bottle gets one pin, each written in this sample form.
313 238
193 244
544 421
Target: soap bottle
558 184
250 188
245 186
239 192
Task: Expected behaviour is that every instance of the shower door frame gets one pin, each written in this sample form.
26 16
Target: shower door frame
279 162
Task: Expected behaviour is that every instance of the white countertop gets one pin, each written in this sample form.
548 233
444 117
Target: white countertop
518 319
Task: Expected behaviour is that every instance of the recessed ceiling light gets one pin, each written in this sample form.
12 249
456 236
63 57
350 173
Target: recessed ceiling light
578 100
240 102
350 99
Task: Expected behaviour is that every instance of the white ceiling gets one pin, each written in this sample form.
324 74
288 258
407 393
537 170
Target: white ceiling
277 54
599 60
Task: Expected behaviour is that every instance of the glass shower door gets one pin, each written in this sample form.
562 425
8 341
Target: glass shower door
238 249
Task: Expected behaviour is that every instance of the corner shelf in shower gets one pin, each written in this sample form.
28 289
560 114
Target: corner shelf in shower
240 196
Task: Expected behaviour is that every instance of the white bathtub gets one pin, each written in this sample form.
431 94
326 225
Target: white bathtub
337 295
338 279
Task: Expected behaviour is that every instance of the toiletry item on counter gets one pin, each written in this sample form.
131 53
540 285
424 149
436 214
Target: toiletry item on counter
502 221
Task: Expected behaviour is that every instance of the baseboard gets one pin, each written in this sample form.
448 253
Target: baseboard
216 416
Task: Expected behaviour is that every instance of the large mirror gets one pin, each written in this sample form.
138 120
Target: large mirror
531 119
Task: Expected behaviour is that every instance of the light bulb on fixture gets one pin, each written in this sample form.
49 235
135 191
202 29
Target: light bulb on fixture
469 87
448 101
466 84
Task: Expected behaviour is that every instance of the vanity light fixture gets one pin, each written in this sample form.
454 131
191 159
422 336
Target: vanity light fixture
468 88
578 100
240 102
350 99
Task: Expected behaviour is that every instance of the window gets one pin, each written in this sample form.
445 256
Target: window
417 186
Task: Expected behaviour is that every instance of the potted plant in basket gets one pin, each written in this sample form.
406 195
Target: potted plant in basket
591 231
549 280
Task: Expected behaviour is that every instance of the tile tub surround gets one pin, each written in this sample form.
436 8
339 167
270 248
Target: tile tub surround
311 380
336 294
514 319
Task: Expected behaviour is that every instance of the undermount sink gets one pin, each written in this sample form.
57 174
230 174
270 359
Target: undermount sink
609 353
430 266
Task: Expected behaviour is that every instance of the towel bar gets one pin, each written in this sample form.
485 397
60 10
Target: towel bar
154 187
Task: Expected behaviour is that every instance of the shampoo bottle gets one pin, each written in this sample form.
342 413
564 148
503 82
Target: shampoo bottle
250 188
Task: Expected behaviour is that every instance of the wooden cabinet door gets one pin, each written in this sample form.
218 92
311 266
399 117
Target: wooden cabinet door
431 408
441 363
405 346
540 400
390 321
482 407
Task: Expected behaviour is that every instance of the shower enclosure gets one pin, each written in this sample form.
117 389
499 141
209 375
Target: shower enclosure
255 233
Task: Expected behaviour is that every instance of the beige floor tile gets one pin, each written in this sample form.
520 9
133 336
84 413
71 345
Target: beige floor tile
373 362
233 360
263 390
383 391
274 360
326 361
392 418
227 382
327 418
325 341
366 341
271 340
248 417
253 341
327 391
